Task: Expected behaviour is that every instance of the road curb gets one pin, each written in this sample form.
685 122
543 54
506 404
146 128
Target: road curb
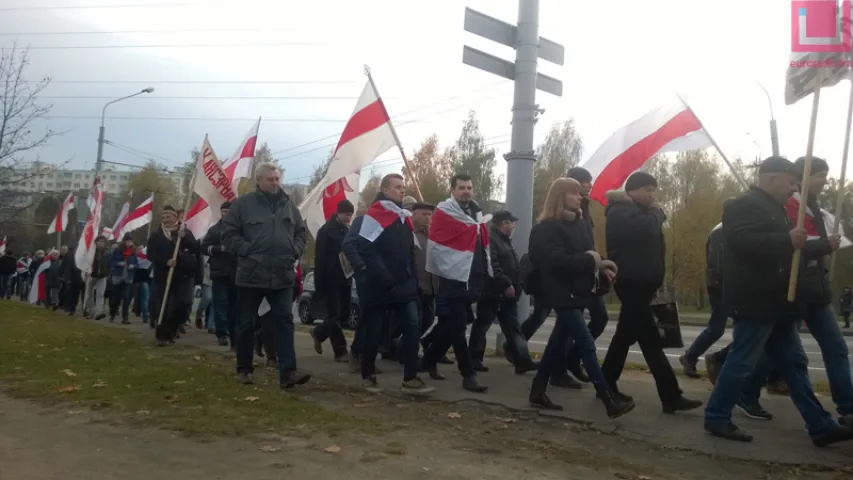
697 323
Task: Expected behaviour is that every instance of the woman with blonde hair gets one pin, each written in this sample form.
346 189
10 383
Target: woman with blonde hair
567 272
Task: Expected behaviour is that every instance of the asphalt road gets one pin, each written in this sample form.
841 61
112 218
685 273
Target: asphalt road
688 333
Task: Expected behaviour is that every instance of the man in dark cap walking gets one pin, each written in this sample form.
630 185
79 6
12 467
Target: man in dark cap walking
223 269
758 244
332 285
635 242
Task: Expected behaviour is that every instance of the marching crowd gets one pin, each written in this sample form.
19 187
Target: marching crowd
425 273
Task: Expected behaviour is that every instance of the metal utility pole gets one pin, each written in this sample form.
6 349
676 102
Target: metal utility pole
529 47
100 159
774 134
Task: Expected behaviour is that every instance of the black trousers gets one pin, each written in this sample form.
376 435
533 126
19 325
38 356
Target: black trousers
637 325
178 306
337 301
122 295
505 310
452 334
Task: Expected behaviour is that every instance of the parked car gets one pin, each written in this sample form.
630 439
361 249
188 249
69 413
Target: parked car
309 311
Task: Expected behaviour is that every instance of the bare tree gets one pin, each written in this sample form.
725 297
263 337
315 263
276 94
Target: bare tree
20 109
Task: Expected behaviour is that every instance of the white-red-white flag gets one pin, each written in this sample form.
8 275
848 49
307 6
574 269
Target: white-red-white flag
115 232
38 293
380 216
61 221
139 217
672 127
452 241
199 217
211 182
3 246
367 135
84 254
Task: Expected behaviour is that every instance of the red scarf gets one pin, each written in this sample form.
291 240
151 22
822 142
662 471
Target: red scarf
127 252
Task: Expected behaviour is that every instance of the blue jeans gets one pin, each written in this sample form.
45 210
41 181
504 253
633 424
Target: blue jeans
281 314
713 332
370 330
224 307
144 291
570 324
781 339
204 305
825 329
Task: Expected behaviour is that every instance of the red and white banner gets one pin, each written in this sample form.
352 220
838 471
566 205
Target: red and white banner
37 291
199 217
59 223
792 206
672 127
3 246
139 217
23 265
367 134
380 216
115 232
84 254
452 241
211 182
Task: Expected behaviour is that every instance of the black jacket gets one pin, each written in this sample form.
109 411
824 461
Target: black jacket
757 254
101 263
328 273
635 239
222 263
586 216
504 267
385 268
714 261
472 289
70 272
561 255
268 235
160 251
8 265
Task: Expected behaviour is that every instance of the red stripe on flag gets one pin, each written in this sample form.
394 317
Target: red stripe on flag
618 170
363 121
446 231
382 215
200 205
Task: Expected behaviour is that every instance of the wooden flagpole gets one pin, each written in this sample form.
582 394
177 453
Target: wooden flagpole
804 185
181 226
396 138
839 201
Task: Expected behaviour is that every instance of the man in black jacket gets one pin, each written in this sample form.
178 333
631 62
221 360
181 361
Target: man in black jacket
500 297
8 266
758 244
331 286
635 242
223 269
98 279
268 235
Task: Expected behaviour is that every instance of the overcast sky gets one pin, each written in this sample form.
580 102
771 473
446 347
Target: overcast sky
622 58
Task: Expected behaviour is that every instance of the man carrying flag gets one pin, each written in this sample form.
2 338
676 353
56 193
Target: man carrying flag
458 253
380 249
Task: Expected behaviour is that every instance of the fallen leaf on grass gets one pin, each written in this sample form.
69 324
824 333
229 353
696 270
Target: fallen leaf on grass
179 382
142 412
333 449
251 399
197 357
269 449
69 389
171 398
453 415
75 412
99 384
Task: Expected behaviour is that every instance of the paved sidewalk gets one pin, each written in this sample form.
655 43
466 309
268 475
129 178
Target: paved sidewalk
781 441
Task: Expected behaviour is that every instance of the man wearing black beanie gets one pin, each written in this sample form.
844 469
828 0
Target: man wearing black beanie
635 242
331 285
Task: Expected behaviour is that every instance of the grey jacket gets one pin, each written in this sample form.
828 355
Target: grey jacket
268 235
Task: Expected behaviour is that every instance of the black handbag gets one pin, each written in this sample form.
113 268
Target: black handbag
668 325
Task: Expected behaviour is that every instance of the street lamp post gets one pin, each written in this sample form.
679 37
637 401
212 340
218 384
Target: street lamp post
774 136
100 159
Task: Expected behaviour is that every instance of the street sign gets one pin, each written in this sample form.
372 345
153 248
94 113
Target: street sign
506 34
506 69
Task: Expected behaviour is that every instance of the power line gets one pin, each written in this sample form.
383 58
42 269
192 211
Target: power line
198 119
192 97
126 32
200 45
99 6
140 153
198 82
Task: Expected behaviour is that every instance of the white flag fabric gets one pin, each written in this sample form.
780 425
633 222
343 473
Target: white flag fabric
37 290
238 166
671 127
61 221
452 241
3 246
84 254
139 217
211 182
367 134
115 232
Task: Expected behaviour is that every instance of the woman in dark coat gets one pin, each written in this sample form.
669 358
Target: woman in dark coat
568 271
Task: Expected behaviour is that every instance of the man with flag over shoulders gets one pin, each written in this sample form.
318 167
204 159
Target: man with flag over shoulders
99 275
458 253
758 244
381 250
814 292
266 232
223 269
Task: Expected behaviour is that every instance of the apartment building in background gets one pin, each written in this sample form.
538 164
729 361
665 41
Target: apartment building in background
42 177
